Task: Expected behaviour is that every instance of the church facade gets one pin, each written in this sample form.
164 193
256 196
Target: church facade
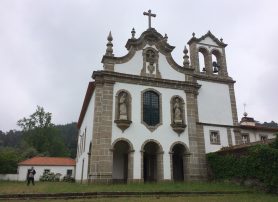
147 118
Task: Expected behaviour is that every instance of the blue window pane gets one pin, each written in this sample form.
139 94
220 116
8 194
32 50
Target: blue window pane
151 108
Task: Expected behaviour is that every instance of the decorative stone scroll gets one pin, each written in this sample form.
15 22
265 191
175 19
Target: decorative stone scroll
123 110
177 114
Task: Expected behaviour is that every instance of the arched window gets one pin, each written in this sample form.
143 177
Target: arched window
151 111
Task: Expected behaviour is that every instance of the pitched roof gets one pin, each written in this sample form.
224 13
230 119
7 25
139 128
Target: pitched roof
48 161
259 128
89 93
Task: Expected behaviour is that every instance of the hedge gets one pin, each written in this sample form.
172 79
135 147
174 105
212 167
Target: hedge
260 163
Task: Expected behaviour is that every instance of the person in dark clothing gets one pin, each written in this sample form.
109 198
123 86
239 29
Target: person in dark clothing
31 175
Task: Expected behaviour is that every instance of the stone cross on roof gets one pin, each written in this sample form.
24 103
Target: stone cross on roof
149 14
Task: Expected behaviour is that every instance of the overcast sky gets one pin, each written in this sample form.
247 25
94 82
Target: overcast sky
49 49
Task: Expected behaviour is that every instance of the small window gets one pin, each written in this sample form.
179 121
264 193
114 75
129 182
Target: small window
214 137
245 138
46 171
263 137
69 172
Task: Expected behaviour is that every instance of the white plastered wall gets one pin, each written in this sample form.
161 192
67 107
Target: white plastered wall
22 171
135 65
223 138
256 135
137 133
214 105
88 125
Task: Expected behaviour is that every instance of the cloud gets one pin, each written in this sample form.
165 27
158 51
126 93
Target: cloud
49 49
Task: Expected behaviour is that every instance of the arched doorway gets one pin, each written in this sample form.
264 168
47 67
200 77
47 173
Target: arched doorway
152 162
179 162
122 162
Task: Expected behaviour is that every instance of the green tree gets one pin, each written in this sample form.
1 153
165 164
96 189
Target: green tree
8 160
69 133
40 134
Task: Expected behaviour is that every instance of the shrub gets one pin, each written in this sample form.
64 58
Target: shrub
50 177
68 178
260 163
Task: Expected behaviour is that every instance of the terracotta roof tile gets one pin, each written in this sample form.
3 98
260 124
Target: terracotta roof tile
50 161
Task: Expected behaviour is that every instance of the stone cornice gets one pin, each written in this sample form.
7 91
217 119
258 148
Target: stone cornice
112 77
218 125
213 78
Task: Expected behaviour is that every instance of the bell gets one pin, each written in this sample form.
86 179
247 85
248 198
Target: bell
215 70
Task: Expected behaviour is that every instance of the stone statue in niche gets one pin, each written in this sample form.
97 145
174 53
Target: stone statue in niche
151 60
177 108
123 106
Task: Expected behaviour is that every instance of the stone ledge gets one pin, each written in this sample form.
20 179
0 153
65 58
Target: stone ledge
112 194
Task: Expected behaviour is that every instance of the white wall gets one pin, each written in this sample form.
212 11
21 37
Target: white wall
214 105
10 177
135 65
22 171
137 133
88 125
223 138
256 135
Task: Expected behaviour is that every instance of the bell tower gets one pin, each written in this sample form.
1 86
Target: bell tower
207 55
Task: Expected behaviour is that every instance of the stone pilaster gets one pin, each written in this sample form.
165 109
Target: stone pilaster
223 64
208 63
160 168
130 165
234 113
229 136
101 156
194 58
197 168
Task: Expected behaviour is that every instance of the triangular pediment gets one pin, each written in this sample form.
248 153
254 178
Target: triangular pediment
209 39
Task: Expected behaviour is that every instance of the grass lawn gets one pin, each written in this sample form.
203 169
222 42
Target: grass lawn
7 187
58 187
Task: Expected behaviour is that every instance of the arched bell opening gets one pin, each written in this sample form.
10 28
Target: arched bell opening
216 62
203 57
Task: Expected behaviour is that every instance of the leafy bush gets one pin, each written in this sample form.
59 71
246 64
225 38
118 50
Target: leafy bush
50 177
260 163
68 178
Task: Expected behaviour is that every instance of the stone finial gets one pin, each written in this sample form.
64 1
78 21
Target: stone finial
165 37
221 40
109 45
185 57
193 34
133 33
245 113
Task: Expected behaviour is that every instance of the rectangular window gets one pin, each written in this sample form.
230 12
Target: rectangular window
214 137
69 172
46 171
245 138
